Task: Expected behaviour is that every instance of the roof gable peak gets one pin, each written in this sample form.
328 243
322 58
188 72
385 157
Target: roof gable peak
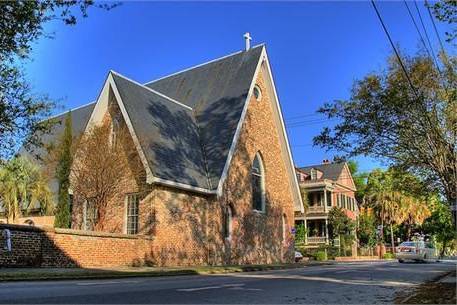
151 90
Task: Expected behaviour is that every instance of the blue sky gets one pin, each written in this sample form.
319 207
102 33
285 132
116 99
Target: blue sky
317 49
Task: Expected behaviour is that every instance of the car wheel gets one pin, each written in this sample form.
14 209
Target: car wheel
401 261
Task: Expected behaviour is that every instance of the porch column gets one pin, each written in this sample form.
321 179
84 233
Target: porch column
326 231
306 231
325 200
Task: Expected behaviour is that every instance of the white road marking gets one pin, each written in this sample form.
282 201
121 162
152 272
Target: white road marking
199 288
230 286
105 283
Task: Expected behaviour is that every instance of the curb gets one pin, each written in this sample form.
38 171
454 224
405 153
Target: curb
104 274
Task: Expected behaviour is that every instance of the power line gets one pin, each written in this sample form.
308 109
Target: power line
417 28
434 27
394 48
308 123
426 35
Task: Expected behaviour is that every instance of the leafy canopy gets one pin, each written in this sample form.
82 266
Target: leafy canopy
21 24
415 130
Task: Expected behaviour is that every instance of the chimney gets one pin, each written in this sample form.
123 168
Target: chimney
325 161
247 38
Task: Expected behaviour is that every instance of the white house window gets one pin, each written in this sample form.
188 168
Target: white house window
313 174
133 202
257 93
228 223
258 184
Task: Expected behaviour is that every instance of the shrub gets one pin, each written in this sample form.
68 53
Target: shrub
321 256
388 255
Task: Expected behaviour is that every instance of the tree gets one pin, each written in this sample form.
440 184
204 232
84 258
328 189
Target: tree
446 11
62 215
21 25
440 225
414 129
359 179
366 229
341 226
397 198
101 169
23 186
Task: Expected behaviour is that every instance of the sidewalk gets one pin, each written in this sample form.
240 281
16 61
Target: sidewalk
36 274
29 274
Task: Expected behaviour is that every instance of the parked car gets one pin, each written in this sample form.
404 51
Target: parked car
416 251
298 256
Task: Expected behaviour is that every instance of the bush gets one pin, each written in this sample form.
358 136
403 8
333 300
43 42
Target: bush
388 255
321 256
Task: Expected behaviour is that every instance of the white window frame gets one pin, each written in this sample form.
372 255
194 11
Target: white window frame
127 215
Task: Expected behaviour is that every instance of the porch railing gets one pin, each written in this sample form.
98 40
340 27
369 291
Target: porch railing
316 209
316 240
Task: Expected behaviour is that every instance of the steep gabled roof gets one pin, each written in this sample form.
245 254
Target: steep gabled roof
185 126
79 118
330 171
167 134
217 92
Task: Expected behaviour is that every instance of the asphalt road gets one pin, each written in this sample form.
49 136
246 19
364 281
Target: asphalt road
340 283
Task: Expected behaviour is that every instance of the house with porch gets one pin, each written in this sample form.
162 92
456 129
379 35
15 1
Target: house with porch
326 185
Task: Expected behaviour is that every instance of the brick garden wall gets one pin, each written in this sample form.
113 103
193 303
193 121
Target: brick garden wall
48 247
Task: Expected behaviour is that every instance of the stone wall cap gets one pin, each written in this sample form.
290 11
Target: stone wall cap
27 228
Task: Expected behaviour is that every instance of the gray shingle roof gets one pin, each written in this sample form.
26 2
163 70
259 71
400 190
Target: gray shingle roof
167 134
79 118
217 93
330 171
183 145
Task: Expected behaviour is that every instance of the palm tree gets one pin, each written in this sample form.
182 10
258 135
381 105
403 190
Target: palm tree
22 186
415 212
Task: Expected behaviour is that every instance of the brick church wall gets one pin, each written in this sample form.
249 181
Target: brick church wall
187 228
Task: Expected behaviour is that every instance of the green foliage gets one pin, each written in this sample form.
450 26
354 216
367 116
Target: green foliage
412 129
441 226
300 234
388 255
366 231
446 11
359 179
397 197
339 223
62 216
321 255
21 25
22 186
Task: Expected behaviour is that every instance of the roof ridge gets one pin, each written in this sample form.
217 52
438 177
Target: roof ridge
152 90
202 64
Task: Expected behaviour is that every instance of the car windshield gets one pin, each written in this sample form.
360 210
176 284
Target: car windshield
408 244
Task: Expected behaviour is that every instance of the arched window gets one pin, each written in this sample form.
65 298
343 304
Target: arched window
228 222
258 184
257 93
